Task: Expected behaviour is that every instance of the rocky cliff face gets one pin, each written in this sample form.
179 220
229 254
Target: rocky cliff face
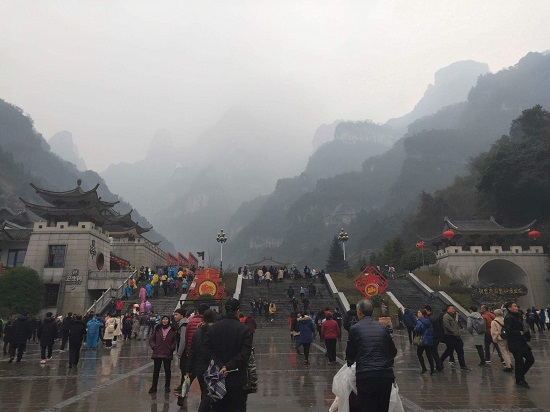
62 144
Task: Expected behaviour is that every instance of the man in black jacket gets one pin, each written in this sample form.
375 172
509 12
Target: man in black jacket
47 332
371 347
351 317
230 343
523 356
65 326
77 331
22 331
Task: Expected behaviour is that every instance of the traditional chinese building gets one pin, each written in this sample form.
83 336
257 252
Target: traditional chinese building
78 240
488 253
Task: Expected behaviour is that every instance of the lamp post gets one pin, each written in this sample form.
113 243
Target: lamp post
221 239
343 237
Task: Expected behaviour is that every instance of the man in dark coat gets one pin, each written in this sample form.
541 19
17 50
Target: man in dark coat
230 344
65 326
22 332
523 356
47 332
371 347
77 331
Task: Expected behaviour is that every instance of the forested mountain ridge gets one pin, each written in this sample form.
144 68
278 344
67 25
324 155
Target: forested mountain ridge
372 203
25 157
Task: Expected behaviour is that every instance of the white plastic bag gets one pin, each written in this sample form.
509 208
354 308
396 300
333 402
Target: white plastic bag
185 387
335 405
342 385
395 400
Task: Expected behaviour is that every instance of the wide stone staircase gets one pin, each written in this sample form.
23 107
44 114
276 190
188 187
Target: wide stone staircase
277 292
412 297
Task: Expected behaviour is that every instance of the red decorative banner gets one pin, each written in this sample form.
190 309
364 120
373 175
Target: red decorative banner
171 260
370 282
207 282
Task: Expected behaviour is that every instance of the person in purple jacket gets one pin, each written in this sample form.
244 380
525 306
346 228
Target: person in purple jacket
163 343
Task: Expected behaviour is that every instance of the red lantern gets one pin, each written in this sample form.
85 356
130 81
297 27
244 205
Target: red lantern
420 245
448 234
533 234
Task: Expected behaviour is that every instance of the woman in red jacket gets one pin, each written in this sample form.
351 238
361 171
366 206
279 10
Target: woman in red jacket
163 343
330 332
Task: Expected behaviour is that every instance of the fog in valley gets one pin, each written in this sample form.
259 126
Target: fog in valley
248 115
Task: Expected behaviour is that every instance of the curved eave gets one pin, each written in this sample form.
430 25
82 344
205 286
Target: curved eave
91 212
77 191
497 230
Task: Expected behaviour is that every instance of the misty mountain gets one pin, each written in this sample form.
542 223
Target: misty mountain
371 203
25 157
451 85
62 145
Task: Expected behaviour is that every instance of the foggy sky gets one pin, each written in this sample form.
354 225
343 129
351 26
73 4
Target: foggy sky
115 72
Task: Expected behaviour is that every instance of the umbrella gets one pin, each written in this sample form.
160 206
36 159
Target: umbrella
215 381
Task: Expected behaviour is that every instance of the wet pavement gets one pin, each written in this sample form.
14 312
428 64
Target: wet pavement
119 379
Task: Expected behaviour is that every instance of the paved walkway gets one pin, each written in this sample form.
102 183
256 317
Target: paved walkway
118 380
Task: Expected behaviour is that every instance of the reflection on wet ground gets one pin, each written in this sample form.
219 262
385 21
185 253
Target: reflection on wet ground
118 379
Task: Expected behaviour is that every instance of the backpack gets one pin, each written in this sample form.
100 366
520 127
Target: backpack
503 333
480 326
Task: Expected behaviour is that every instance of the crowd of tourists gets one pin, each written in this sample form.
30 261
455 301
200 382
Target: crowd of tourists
505 330
267 275
170 280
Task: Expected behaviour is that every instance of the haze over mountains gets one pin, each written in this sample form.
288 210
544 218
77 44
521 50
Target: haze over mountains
190 193
283 199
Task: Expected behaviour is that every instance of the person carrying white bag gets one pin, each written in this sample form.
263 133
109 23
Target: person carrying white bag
371 346
343 384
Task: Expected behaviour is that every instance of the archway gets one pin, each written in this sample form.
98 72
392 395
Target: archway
504 271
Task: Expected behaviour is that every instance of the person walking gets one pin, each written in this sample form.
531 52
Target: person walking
410 323
163 343
424 329
77 331
7 338
21 333
110 329
452 337
65 326
229 343
476 327
488 340
199 358
305 334
250 323
371 347
47 332
330 333
272 310
497 324
182 320
517 343
92 335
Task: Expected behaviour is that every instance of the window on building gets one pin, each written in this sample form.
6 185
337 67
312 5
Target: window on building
52 292
16 257
56 256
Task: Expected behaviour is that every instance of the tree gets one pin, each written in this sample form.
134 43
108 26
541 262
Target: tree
22 291
515 176
393 250
335 261
413 260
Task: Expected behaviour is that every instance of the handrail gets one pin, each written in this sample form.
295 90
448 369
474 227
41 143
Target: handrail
99 299
101 303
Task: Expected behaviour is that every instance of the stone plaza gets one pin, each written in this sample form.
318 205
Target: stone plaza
118 380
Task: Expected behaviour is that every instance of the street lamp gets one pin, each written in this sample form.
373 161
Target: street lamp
221 239
343 237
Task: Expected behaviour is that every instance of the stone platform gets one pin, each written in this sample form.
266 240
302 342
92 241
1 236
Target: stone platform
118 380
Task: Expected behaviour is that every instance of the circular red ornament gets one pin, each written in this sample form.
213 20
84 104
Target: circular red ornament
533 234
448 234
420 245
